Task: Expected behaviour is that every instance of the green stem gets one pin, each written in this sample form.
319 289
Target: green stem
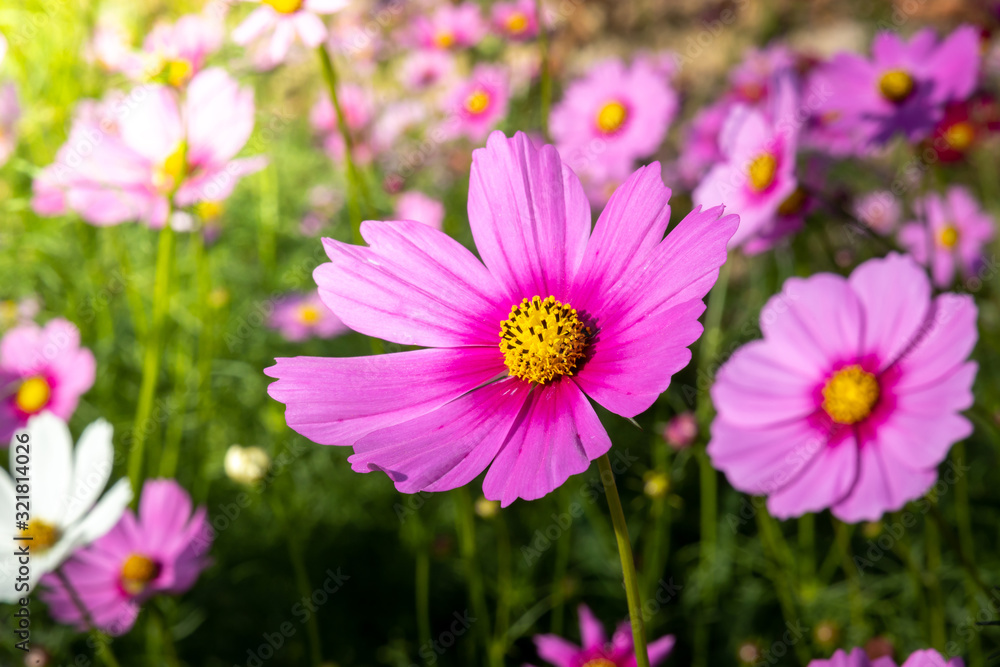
504 589
628 562
781 567
151 359
807 546
932 541
562 566
206 339
294 542
167 640
102 641
545 86
353 179
466 529
842 535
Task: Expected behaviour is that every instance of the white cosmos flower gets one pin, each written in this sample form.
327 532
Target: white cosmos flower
64 487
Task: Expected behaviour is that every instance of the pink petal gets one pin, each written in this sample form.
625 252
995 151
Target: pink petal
955 65
591 631
947 338
920 441
448 447
529 216
153 127
414 285
659 650
884 484
310 28
828 479
338 401
556 650
557 436
164 510
281 40
220 117
254 25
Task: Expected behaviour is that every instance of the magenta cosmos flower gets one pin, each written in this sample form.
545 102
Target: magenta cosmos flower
612 117
449 27
552 315
757 175
597 651
42 368
852 398
858 658
302 316
165 148
161 551
283 21
516 20
176 52
415 205
952 235
905 86
476 106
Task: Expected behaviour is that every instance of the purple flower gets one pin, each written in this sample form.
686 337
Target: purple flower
302 316
597 651
857 658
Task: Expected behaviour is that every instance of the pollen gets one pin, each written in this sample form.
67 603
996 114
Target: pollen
850 395
444 40
896 85
137 572
285 6
309 314
611 117
33 395
43 536
948 236
542 339
178 72
477 102
761 171
960 135
517 23
168 175
599 662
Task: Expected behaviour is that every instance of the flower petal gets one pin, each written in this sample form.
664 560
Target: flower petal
556 650
106 513
338 401
529 216
219 115
829 478
591 631
92 463
557 435
51 467
947 337
884 484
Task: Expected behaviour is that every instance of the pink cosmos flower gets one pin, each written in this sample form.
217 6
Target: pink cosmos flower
516 20
701 150
681 431
612 117
758 172
42 368
476 106
905 85
176 52
852 398
425 69
414 205
552 315
283 20
858 658
166 148
880 210
160 551
596 649
752 81
10 114
449 27
302 316
953 236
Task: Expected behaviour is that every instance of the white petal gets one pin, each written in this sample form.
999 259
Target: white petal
106 513
51 467
93 460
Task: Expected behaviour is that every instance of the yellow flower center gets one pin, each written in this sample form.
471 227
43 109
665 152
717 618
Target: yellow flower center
477 102
850 395
655 484
178 72
285 6
517 22
309 314
168 175
948 236
33 395
960 135
896 85
444 40
137 572
542 340
762 170
43 536
208 210
794 202
599 662
611 117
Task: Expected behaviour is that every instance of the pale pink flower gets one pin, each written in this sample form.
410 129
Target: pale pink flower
476 105
281 21
417 206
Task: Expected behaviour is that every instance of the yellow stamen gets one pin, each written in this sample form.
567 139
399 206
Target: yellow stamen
285 6
309 314
762 171
517 23
794 202
896 85
137 572
168 175
33 395
960 135
43 536
599 662
208 210
655 484
948 236
477 102
542 340
444 40
611 117
178 72
850 395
